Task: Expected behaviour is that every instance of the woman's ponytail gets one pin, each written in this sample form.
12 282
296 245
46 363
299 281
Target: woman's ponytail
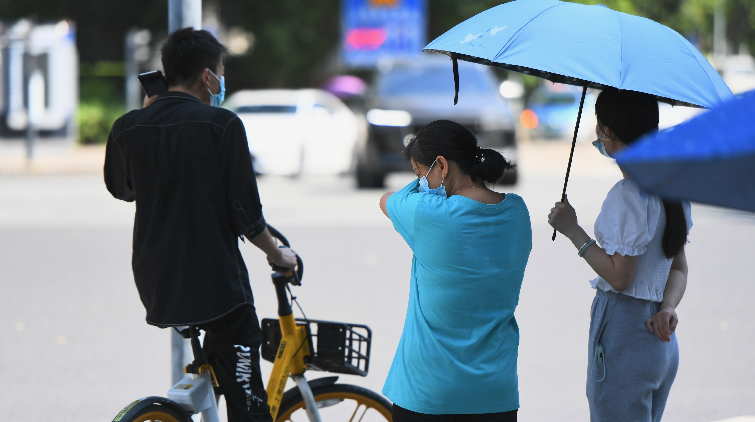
490 166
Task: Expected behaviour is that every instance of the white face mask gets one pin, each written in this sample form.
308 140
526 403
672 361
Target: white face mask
217 99
424 187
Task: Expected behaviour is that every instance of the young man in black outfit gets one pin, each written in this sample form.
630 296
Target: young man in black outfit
187 166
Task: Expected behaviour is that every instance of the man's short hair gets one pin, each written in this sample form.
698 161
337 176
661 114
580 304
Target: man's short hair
187 53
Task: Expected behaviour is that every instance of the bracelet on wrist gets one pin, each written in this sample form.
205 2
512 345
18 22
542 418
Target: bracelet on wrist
584 247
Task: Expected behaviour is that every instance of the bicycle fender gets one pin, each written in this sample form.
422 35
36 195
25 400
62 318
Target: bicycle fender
318 382
127 413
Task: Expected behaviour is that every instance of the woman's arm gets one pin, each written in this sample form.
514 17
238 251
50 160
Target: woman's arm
617 270
663 324
384 202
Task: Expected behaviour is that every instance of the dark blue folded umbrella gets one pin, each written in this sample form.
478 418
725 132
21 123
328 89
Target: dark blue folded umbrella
708 159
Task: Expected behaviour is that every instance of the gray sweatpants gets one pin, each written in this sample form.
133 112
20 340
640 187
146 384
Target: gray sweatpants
630 371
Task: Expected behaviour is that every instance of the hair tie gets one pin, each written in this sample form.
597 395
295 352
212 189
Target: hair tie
479 155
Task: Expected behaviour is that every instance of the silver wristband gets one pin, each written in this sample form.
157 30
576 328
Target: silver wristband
584 247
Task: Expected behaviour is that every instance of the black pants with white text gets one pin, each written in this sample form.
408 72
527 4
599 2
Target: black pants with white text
232 346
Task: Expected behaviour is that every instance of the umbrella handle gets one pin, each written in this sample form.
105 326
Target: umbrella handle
573 143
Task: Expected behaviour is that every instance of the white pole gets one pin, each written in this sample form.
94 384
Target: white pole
719 31
182 14
137 51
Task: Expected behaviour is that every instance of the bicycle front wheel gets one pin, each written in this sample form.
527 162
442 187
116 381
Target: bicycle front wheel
339 403
155 413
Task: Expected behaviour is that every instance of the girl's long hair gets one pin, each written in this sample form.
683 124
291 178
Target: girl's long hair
631 114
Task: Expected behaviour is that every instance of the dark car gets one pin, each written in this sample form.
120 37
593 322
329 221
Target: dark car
407 96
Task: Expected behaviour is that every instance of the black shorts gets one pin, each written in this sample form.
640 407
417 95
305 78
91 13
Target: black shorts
403 415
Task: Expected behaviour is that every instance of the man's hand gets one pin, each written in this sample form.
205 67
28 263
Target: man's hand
149 100
663 324
563 218
284 258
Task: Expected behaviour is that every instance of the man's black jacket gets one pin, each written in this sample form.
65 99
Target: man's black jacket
187 166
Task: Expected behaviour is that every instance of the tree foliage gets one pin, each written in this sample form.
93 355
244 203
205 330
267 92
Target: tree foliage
740 27
694 18
297 40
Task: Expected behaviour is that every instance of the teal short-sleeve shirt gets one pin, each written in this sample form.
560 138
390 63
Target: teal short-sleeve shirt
459 347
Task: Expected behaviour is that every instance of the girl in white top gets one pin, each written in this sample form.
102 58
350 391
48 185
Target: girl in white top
641 275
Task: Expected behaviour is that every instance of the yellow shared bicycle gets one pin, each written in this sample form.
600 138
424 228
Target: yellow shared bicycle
294 346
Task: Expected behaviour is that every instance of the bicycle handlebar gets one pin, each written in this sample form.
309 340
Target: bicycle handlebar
278 235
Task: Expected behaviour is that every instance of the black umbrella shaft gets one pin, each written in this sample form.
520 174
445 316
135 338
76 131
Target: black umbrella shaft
573 144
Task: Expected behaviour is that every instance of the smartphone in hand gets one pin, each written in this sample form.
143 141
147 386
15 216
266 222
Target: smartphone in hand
153 82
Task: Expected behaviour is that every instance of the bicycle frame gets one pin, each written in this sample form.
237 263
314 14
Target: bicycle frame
289 361
195 391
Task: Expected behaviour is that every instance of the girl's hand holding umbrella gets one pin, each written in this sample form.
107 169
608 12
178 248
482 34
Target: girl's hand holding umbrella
563 218
617 270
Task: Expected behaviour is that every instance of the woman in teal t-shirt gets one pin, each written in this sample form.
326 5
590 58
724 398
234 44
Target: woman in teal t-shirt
457 356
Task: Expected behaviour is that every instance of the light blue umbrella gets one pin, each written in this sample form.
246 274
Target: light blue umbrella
708 159
580 44
587 46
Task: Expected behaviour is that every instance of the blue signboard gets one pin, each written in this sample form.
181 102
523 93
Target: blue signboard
372 30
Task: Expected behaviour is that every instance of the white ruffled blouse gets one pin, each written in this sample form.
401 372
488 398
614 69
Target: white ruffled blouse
631 222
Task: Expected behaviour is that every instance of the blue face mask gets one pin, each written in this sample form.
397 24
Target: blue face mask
598 143
217 99
425 188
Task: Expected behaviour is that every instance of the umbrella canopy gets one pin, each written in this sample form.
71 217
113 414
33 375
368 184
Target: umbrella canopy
586 45
708 159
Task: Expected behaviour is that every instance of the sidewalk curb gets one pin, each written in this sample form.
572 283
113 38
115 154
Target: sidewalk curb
84 159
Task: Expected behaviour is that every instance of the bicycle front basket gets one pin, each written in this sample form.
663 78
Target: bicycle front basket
336 346
341 347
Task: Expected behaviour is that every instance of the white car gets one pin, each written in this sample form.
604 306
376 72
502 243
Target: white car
294 132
